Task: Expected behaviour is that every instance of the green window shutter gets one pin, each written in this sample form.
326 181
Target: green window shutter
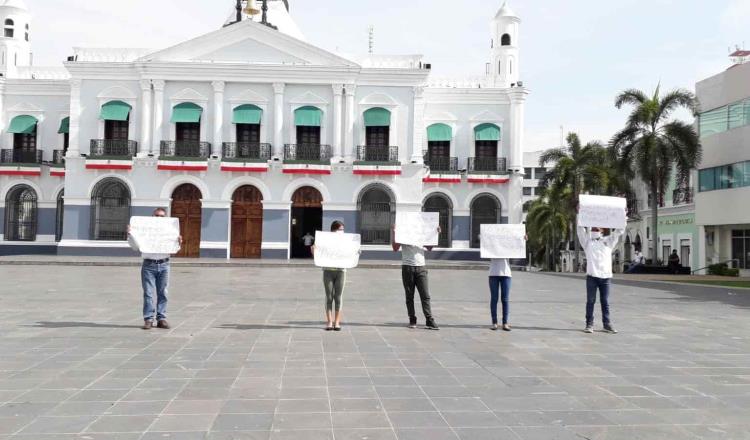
186 112
439 133
308 117
247 114
115 111
377 117
23 124
487 132
64 126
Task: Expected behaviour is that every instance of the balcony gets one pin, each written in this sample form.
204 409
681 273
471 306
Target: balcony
488 165
307 153
246 151
442 165
25 157
682 196
184 150
112 149
633 206
377 154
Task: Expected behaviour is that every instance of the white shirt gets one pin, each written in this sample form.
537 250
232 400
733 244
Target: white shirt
134 245
412 255
308 239
500 267
598 252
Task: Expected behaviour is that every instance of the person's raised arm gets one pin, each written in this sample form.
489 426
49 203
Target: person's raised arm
396 246
583 236
614 237
132 242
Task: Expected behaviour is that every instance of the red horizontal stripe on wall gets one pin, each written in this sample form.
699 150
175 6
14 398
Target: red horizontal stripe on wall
305 171
57 173
95 166
244 170
489 180
182 167
19 173
377 172
438 180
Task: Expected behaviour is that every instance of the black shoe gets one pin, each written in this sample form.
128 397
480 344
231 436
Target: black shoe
609 329
412 324
432 325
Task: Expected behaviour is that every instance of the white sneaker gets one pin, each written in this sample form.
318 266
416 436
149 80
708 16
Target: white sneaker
588 329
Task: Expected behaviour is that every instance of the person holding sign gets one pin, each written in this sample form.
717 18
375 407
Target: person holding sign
499 243
414 277
598 247
334 280
157 240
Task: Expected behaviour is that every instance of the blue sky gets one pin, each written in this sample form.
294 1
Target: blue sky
576 54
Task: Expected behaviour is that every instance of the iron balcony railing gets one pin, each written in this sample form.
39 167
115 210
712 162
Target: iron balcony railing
185 149
246 150
21 156
370 153
633 205
113 148
308 152
441 163
682 196
58 157
497 165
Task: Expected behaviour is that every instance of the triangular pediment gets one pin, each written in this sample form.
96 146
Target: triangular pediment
189 95
308 98
488 116
248 42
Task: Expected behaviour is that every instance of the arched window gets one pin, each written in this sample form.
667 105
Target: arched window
60 213
486 142
628 249
505 40
27 32
377 136
485 210
376 215
442 205
20 214
110 210
10 28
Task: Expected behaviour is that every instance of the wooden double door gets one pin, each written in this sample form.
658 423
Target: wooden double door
247 222
186 206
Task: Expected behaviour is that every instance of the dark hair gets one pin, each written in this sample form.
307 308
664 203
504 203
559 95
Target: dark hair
164 210
336 225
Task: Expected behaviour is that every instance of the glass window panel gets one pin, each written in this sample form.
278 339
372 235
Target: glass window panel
738 175
714 121
725 177
747 112
736 115
746 174
707 179
527 191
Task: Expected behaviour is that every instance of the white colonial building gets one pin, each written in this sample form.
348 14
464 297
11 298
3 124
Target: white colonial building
252 137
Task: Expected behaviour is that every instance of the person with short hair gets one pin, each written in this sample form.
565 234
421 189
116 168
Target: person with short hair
308 240
155 281
598 246
333 281
674 262
414 277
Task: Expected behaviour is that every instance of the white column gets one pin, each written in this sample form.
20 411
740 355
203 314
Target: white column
517 100
146 117
158 134
349 147
701 260
74 148
337 122
419 128
218 137
278 120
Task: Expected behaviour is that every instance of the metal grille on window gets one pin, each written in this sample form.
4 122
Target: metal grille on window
21 214
484 210
376 213
110 211
60 213
441 205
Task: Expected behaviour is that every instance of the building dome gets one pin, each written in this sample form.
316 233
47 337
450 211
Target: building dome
18 4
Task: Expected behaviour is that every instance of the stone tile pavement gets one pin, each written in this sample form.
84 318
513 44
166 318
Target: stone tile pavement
247 360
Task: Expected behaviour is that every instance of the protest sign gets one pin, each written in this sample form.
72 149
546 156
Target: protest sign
602 212
156 235
417 228
503 241
337 250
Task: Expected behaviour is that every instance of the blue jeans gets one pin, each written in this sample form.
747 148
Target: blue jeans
155 279
502 284
603 285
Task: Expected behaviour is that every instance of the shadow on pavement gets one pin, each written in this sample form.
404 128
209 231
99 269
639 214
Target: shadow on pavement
73 324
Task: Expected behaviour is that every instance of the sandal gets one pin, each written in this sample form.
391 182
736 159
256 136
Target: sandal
338 328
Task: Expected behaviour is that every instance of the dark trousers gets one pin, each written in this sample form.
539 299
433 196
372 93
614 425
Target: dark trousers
592 285
500 289
416 278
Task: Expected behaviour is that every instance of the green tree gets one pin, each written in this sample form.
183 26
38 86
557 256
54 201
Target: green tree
652 144
547 223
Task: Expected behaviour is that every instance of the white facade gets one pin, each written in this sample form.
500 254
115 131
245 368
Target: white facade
142 123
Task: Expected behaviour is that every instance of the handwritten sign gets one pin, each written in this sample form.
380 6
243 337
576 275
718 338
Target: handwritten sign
602 212
417 228
337 250
502 241
156 235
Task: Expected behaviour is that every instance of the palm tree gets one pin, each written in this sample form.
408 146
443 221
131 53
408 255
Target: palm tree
578 167
548 222
652 144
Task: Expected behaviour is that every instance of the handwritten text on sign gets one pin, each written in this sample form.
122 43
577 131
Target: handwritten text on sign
417 228
602 212
503 241
156 235
337 250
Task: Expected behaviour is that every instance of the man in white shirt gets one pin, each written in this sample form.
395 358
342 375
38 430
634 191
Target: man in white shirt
414 277
308 240
599 249
155 280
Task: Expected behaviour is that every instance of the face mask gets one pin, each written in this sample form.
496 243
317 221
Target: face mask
596 235
340 231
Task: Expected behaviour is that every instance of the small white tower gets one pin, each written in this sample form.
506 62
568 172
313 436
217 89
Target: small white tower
505 56
15 44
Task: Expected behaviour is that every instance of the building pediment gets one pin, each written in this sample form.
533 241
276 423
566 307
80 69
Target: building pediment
190 95
248 42
308 98
487 116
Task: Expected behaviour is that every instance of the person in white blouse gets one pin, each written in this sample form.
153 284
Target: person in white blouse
500 282
599 247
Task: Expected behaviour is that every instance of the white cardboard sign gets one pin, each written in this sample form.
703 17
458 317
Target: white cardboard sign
418 228
602 212
502 241
337 250
156 235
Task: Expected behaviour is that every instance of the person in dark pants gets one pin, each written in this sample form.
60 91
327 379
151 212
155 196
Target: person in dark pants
414 277
599 249
674 263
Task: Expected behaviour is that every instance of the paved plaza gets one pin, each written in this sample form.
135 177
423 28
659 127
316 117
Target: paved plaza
247 359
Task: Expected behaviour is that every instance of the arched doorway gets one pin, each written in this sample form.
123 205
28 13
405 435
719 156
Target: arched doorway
110 210
21 214
485 210
307 217
186 206
628 249
377 212
247 222
442 205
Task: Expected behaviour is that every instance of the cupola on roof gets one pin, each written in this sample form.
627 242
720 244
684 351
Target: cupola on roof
505 11
18 4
